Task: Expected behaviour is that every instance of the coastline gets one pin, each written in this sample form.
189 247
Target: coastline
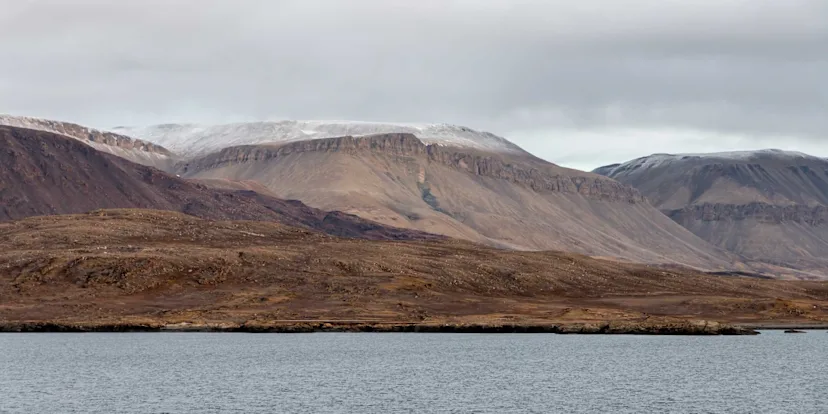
785 326
694 328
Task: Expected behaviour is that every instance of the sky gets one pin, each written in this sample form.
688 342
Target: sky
580 83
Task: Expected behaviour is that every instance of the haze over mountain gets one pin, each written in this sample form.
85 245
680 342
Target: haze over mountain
767 205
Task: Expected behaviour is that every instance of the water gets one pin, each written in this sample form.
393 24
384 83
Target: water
386 373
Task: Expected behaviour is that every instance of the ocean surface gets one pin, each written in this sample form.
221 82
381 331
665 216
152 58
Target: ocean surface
412 373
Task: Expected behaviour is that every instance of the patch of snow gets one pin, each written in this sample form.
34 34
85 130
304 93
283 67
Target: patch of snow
192 140
658 160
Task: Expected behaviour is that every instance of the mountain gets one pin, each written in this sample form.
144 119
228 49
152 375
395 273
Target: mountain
769 205
121 269
43 173
135 150
191 140
441 179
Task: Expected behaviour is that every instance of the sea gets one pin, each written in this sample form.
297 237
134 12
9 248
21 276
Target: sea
412 373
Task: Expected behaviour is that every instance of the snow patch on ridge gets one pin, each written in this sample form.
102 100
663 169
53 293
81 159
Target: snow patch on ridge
55 127
191 140
658 160
124 146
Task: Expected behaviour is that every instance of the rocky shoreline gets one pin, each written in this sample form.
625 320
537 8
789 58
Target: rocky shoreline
705 328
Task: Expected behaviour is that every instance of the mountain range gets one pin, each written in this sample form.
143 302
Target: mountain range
752 212
303 226
436 178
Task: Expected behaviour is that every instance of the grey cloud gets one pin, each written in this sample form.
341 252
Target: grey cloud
753 71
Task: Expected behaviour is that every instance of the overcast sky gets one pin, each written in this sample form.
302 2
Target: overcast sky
580 83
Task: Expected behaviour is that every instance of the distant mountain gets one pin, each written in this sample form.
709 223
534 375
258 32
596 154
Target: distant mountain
135 150
43 173
438 178
189 140
767 205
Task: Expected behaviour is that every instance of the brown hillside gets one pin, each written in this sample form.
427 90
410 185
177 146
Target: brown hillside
511 200
44 173
129 266
135 150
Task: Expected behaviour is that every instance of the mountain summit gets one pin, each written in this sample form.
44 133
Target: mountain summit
191 140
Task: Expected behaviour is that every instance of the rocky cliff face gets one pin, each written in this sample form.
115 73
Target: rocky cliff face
194 140
524 170
762 212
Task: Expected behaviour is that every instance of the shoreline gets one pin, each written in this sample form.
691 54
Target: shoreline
699 328
782 327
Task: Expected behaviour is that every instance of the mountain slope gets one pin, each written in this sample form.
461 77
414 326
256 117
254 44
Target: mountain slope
135 150
767 205
502 198
45 173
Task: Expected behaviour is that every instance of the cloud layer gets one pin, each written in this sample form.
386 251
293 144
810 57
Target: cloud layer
579 83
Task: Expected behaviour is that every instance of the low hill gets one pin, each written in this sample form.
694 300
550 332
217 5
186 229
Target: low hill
128 267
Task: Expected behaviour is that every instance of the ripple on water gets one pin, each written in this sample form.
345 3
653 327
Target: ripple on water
365 373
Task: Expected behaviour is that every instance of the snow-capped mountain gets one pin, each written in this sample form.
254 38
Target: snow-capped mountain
190 140
135 150
664 160
767 205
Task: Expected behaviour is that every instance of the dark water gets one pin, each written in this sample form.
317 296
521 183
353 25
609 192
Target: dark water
384 373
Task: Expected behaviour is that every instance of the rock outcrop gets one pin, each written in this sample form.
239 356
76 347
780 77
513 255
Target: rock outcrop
532 173
761 212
